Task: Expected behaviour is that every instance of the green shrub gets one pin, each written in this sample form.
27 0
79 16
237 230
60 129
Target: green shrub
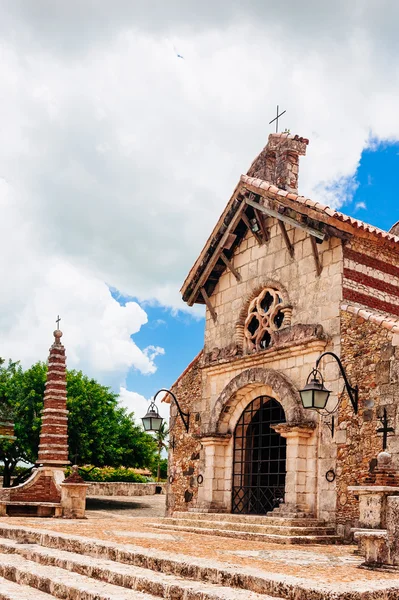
109 474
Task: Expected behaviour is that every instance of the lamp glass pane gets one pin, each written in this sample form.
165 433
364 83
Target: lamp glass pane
320 398
146 423
307 398
156 423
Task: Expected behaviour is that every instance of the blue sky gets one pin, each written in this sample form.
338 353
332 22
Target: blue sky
377 184
182 335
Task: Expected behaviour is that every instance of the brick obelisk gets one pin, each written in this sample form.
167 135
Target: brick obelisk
53 445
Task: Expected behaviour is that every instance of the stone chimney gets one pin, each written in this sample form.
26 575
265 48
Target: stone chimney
278 162
53 446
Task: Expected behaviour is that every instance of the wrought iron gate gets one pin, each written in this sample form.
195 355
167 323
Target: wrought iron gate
259 458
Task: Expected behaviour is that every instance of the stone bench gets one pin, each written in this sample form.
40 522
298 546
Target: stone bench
29 509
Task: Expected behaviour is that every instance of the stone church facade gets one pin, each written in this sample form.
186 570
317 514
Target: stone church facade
285 279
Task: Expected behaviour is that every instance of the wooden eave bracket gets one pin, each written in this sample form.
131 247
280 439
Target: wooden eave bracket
316 255
286 238
209 304
230 266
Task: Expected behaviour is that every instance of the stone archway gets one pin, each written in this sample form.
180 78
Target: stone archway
298 429
240 391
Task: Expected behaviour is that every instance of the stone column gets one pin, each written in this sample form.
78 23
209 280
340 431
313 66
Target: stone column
300 482
217 476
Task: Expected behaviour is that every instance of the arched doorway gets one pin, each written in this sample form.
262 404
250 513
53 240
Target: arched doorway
259 458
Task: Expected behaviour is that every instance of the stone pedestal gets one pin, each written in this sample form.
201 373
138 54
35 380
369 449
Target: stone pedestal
373 504
300 482
378 535
216 488
73 500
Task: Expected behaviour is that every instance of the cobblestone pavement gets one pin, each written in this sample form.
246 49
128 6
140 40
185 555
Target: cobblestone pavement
128 520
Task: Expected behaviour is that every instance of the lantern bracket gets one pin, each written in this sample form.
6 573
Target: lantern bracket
353 392
185 417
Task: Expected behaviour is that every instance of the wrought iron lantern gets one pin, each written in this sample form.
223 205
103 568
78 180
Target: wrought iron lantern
152 421
315 395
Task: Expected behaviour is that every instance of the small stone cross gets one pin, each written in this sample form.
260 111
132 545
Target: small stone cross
385 429
58 321
277 118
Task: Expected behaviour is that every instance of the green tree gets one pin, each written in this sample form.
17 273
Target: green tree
160 439
100 432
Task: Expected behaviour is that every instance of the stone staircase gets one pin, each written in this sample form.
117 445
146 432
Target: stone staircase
42 564
281 530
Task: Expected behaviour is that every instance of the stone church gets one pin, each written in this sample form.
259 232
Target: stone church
285 279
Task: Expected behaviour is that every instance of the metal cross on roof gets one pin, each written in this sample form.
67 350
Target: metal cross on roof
385 429
58 321
277 118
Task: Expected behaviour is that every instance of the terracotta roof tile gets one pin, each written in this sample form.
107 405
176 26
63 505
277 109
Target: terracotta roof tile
376 318
246 180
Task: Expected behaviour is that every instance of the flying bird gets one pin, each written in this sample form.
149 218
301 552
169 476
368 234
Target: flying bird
177 54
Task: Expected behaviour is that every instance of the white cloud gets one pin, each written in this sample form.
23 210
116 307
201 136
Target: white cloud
138 404
359 205
117 157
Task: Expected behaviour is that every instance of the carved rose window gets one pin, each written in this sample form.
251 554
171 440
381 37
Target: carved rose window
266 313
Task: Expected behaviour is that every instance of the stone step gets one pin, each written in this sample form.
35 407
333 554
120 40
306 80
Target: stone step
249 527
187 567
14 591
127 576
60 584
254 519
255 537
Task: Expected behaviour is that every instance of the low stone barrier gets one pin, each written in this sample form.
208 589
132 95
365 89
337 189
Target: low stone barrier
119 488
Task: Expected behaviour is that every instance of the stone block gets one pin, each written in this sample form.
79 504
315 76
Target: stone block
392 524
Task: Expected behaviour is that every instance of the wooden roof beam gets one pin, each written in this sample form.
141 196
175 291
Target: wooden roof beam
209 304
230 266
281 217
286 238
212 262
316 255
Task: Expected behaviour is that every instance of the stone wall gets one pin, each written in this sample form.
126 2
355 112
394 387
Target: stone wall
372 362
184 464
271 263
123 488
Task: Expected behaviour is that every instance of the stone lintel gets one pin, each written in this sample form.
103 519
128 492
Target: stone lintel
302 430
